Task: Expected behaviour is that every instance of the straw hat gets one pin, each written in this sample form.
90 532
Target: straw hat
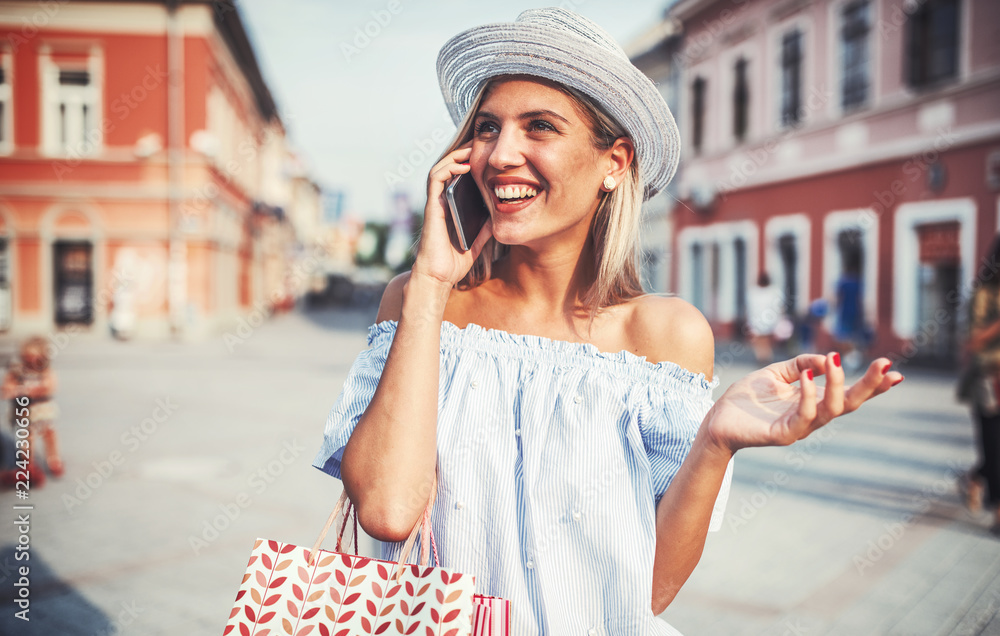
564 47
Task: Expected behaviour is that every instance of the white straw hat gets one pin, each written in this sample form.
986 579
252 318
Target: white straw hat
564 47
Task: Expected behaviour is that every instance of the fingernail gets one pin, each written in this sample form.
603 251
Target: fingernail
809 373
836 359
898 381
886 368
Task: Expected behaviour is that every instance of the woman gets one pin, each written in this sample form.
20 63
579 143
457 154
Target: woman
984 348
556 401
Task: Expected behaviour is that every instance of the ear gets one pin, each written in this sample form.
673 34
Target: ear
620 156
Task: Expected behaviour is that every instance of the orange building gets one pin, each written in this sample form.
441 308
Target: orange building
144 187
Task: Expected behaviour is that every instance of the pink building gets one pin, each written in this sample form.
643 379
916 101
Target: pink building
834 136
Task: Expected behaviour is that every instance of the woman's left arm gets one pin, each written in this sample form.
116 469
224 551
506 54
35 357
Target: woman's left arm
765 408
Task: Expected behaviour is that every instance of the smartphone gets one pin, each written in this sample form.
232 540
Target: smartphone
468 210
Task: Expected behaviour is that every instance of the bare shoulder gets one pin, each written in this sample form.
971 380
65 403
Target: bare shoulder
391 307
671 329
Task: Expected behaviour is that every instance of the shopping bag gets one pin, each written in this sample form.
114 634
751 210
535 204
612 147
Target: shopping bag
295 591
492 617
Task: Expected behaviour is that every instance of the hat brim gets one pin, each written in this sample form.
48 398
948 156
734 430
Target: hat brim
475 56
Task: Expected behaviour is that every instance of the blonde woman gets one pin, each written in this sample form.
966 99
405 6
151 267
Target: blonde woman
568 415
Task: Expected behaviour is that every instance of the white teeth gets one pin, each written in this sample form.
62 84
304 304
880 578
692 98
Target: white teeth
514 192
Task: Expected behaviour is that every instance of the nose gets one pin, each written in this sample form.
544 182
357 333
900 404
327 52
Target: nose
506 151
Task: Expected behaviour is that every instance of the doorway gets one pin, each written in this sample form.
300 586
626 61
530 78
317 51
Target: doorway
73 282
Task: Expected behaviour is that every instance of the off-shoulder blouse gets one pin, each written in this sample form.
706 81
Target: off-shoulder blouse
552 457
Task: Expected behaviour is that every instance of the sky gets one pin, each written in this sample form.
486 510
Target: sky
365 111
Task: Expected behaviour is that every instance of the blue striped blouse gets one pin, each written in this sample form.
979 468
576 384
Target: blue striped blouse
552 456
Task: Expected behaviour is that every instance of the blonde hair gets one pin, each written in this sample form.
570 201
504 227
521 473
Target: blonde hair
614 229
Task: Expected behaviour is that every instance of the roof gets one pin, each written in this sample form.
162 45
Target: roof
226 17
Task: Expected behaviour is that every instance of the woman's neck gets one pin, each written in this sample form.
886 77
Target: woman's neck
547 283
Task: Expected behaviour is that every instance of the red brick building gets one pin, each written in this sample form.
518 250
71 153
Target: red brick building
143 170
834 134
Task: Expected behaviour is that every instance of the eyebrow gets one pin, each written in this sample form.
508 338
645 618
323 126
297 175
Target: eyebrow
528 115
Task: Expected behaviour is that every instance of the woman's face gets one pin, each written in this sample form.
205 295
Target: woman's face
535 163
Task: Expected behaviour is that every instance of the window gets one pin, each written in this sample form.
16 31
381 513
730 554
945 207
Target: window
740 262
855 26
932 32
6 106
6 306
697 277
71 119
741 100
75 112
791 78
698 89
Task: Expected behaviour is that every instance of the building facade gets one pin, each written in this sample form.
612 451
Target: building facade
833 139
655 53
144 181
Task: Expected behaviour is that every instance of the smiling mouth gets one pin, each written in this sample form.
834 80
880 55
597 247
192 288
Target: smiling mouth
510 194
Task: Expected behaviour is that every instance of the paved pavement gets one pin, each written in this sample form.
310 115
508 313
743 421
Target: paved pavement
179 456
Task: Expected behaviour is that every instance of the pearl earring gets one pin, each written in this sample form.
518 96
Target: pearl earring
609 183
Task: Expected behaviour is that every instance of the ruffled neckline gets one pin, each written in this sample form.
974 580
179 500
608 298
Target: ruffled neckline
564 352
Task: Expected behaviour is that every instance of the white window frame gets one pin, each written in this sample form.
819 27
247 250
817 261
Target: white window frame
804 24
92 142
703 70
906 254
727 109
7 97
835 65
800 226
964 52
865 220
723 235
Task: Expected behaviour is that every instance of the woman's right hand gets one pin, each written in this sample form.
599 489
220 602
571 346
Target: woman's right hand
438 258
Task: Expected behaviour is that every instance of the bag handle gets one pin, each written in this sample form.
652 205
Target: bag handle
421 527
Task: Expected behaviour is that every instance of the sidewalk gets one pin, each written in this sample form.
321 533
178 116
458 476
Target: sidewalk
857 530
179 456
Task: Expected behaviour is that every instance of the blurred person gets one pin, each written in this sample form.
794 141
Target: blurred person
765 310
523 373
818 309
983 384
849 319
31 376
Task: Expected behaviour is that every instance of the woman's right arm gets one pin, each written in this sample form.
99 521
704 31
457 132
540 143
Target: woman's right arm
389 461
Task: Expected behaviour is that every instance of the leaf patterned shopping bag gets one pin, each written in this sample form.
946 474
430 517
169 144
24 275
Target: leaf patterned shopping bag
289 590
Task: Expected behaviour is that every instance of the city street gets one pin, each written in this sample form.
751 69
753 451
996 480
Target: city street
179 455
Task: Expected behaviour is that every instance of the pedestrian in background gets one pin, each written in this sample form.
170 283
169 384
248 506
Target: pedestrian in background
849 324
765 311
567 414
31 376
981 387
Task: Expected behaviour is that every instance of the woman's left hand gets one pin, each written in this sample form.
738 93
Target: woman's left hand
765 408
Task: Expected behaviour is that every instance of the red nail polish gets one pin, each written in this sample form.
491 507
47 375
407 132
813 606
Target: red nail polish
886 368
809 373
898 381
836 359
